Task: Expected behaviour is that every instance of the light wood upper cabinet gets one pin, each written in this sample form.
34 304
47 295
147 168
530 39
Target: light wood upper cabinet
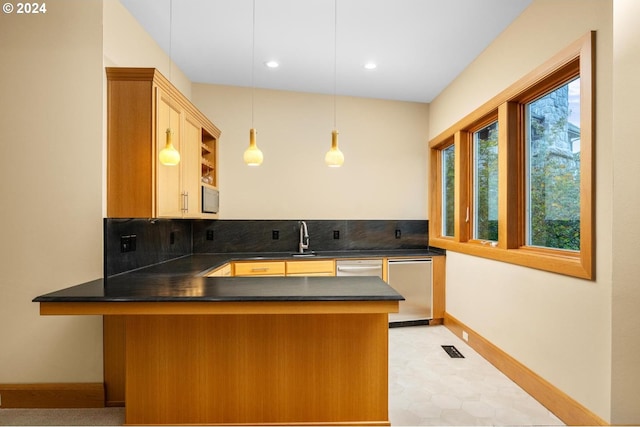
169 194
141 105
191 178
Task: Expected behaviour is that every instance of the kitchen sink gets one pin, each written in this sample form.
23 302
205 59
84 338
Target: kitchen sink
303 254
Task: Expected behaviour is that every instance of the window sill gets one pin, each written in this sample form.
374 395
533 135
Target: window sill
561 262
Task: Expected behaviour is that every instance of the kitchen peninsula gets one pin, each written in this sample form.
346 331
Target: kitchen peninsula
244 350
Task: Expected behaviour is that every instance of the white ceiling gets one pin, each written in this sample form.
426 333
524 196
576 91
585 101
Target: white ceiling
420 46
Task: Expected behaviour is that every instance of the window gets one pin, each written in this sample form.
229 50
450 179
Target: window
552 130
485 183
448 191
513 180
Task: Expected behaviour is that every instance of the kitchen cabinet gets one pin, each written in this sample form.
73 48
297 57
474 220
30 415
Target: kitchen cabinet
141 105
178 186
325 267
438 289
311 268
223 271
260 268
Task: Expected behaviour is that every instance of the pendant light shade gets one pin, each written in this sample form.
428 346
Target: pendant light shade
169 156
253 155
334 157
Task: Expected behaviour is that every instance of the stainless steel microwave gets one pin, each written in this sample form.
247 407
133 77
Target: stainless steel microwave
210 200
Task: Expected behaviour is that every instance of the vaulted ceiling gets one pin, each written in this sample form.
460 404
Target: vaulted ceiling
322 46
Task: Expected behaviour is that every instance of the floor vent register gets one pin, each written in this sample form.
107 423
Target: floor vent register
453 352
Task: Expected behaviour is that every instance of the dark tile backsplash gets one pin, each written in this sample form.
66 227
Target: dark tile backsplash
153 242
257 235
162 240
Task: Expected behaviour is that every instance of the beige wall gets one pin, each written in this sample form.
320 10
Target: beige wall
127 44
384 143
557 326
52 86
626 205
50 174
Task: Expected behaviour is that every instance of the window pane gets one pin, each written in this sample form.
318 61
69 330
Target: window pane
448 190
485 183
553 168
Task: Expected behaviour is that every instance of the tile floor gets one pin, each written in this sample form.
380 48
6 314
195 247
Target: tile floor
426 387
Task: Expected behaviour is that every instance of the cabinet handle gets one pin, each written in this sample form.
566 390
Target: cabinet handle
255 270
185 201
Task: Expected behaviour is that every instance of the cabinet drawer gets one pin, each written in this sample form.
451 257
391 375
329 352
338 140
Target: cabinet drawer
223 271
266 268
311 268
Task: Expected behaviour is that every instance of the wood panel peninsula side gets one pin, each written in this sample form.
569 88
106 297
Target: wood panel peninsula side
246 350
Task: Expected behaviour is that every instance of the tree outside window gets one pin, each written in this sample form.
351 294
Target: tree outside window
553 166
448 191
485 179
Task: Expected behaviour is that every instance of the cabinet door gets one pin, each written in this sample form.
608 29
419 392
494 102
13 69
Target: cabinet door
191 168
263 268
311 268
169 197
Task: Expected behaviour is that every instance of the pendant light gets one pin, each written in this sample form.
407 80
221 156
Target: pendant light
169 156
252 155
334 157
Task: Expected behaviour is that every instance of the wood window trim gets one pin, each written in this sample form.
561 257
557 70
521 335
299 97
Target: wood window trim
509 106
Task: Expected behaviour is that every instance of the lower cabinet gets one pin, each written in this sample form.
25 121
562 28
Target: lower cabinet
311 268
285 268
261 268
223 271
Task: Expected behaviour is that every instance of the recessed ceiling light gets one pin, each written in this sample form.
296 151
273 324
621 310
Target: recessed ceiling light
272 64
370 66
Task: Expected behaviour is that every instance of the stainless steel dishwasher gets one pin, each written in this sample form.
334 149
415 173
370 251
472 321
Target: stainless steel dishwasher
412 279
359 267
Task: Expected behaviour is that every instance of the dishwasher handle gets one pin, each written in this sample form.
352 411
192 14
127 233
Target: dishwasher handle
359 267
408 261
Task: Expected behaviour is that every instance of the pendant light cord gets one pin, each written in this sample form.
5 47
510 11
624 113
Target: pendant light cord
170 36
253 54
335 60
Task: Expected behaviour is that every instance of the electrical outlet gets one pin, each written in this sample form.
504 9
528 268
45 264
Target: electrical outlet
465 336
172 238
336 234
275 234
128 243
398 233
209 234
125 242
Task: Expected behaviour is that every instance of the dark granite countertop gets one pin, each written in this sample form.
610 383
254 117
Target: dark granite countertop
350 254
226 289
183 279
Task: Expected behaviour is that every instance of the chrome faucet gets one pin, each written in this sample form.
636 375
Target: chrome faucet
304 237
